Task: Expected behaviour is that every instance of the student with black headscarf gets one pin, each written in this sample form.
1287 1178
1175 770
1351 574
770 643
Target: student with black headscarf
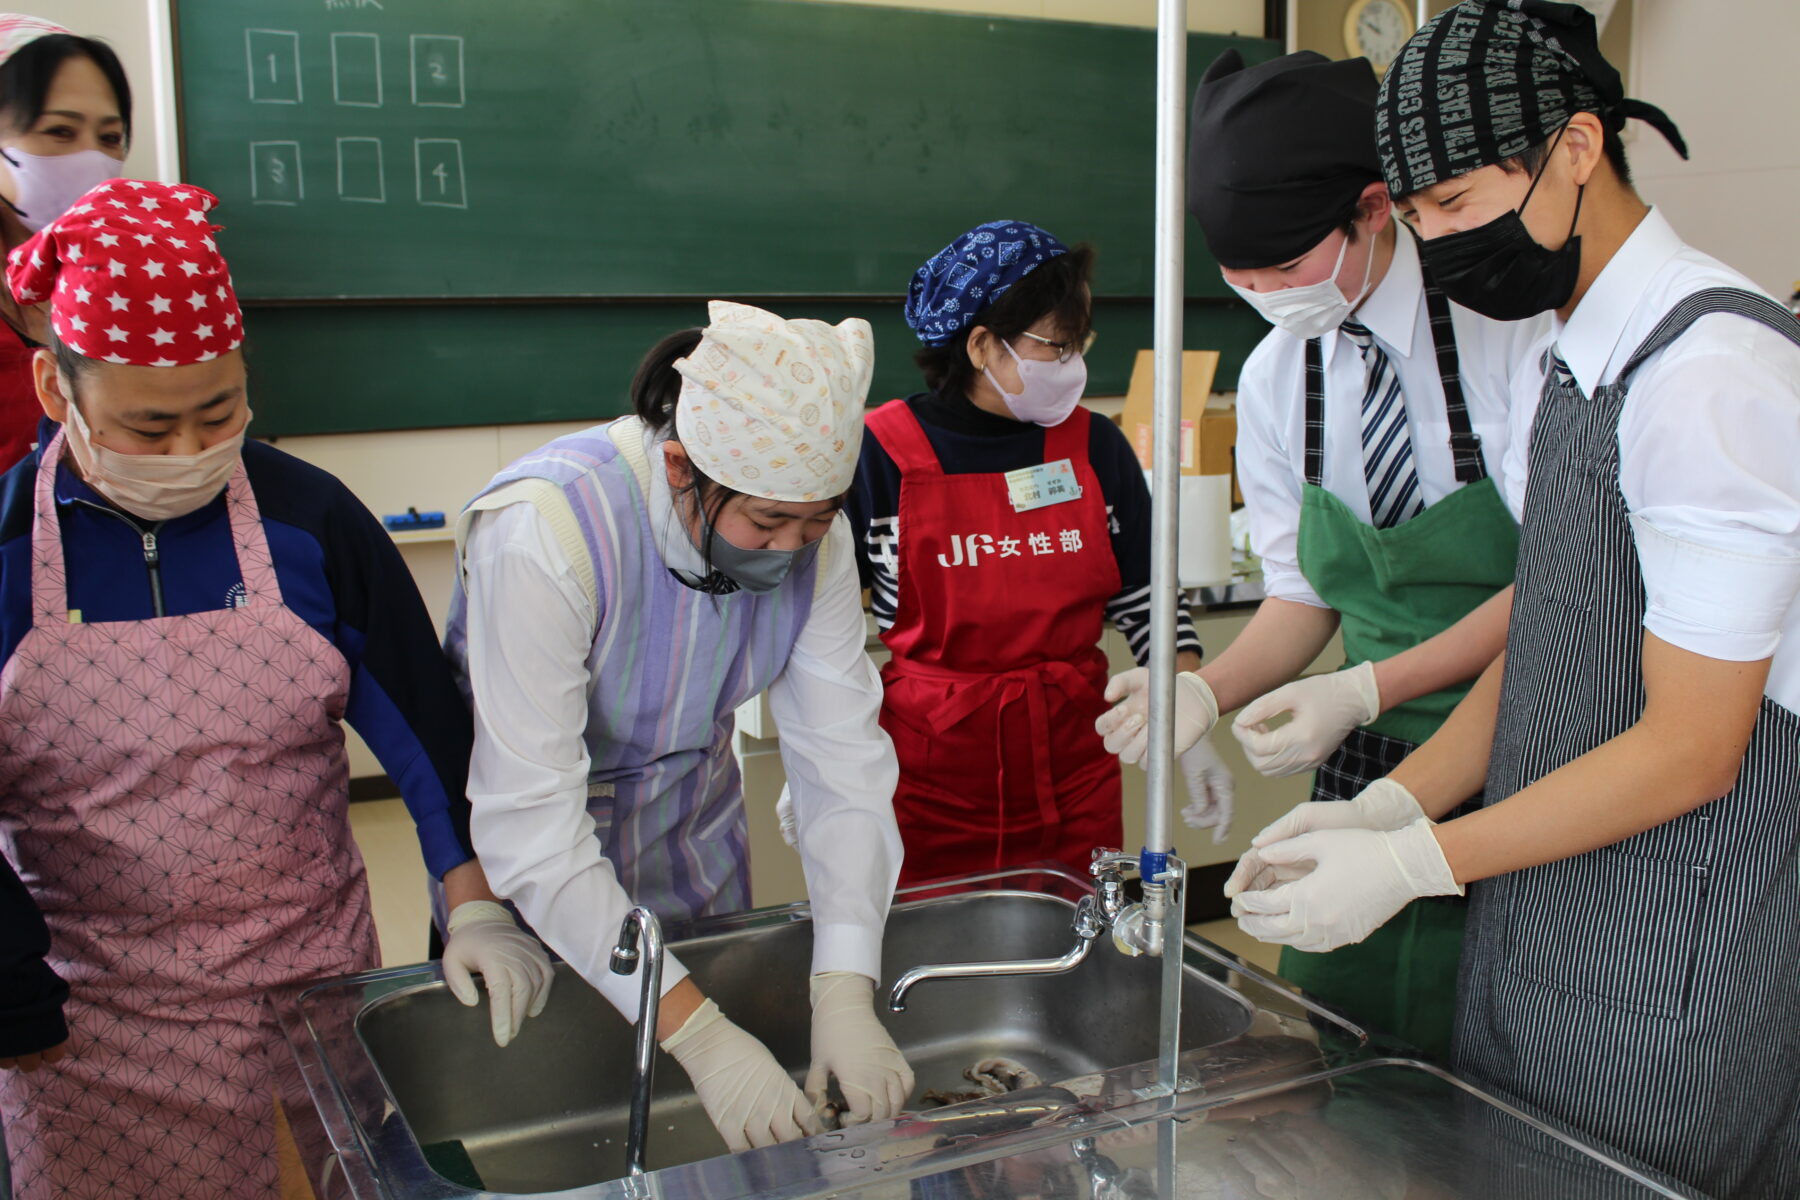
1634 924
1372 421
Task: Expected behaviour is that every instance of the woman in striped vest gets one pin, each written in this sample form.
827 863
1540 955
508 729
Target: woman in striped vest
623 591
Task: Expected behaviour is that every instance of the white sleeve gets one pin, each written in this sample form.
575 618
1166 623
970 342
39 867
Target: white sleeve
1707 447
841 771
530 630
1525 388
1272 488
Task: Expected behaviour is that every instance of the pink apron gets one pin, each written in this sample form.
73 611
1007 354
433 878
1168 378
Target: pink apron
174 793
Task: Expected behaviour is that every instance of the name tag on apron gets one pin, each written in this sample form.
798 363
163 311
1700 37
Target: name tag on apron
1042 485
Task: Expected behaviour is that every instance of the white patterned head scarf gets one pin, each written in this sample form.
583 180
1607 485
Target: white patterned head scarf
774 408
18 30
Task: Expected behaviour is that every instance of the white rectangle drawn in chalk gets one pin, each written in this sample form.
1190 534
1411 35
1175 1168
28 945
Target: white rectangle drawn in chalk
356 69
361 176
273 59
437 70
439 164
275 173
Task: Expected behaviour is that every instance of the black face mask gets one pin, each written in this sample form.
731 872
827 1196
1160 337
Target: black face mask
1499 270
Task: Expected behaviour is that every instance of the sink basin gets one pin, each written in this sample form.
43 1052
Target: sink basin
549 1112
396 1092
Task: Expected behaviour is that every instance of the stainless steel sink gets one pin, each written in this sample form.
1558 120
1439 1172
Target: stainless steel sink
396 1092
549 1111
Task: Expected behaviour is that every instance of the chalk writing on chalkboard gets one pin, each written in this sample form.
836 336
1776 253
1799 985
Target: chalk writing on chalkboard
275 173
361 176
356 69
437 70
272 57
439 165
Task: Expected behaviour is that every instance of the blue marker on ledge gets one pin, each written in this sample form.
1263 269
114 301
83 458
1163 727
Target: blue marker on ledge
413 519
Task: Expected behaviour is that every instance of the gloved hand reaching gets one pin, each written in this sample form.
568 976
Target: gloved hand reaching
1125 728
1210 790
750 1099
1359 878
1383 805
1324 709
484 940
850 1043
784 816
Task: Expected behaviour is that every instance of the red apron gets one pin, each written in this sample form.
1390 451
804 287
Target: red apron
19 407
997 675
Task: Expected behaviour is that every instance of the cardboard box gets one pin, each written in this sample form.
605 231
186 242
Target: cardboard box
1208 432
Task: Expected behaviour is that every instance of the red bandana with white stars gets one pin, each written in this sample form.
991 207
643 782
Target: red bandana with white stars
133 276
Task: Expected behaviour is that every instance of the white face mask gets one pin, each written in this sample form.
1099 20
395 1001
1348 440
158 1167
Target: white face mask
156 487
47 185
1311 311
1048 390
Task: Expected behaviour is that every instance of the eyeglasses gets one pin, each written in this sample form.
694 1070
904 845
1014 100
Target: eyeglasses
1065 350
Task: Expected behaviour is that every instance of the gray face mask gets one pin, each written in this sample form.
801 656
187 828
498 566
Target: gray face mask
752 570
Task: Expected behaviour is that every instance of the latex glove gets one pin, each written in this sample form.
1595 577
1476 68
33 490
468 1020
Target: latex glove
784 813
850 1043
485 940
1358 880
1383 805
749 1098
1125 728
1210 790
1325 708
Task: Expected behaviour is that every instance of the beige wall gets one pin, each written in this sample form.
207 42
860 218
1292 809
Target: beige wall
1318 25
1204 16
1724 74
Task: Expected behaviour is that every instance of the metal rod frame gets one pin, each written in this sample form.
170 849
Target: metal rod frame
1162 900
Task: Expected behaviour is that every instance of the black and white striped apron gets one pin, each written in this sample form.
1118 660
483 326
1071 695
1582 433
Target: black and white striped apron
1645 993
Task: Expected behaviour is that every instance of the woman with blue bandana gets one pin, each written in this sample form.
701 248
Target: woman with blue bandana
999 525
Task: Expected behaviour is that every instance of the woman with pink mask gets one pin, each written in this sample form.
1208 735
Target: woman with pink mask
999 525
187 618
65 126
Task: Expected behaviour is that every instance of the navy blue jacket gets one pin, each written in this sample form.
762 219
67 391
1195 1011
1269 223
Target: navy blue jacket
339 571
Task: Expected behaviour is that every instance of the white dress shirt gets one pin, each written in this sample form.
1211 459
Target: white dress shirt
1709 453
531 650
1271 409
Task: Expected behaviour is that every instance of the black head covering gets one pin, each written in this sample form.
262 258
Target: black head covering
1278 154
1486 80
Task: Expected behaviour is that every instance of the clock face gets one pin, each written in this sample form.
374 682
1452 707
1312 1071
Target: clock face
1378 29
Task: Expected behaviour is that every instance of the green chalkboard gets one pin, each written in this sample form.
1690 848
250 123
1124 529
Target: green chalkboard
657 148
352 368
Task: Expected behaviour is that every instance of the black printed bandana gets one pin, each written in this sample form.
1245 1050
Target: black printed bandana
1486 80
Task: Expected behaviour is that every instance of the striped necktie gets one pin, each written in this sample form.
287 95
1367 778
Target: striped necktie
1388 465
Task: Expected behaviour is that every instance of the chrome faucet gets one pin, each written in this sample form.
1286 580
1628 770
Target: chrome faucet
641 923
1093 916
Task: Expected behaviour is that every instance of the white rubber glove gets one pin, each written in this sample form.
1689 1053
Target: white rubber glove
850 1043
1210 790
750 1099
1325 709
1125 728
1383 805
1359 879
784 813
485 940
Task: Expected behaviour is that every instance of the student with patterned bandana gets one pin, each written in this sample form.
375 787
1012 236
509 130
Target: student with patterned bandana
623 591
1372 424
185 620
1634 926
991 589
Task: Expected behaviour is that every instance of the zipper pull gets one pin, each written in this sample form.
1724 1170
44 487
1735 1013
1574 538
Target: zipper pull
150 552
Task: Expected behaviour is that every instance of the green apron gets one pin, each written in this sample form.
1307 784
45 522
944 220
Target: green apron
1394 588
